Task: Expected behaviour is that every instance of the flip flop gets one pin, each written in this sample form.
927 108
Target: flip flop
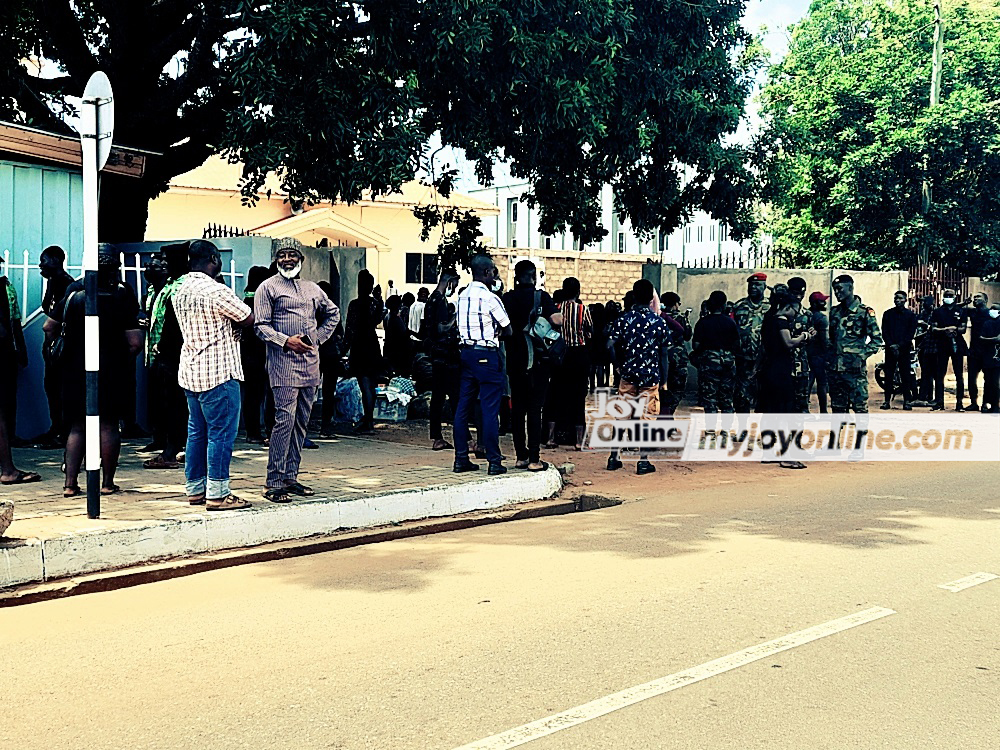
72 491
23 477
542 464
160 463
229 502
112 490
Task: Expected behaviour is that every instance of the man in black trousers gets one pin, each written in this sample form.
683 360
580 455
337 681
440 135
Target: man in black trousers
899 325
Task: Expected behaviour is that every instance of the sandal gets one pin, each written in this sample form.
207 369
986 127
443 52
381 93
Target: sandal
72 490
112 490
550 445
792 465
196 499
159 462
541 466
522 464
297 488
229 502
277 495
442 445
23 477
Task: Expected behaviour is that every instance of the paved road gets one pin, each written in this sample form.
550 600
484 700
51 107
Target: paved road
447 640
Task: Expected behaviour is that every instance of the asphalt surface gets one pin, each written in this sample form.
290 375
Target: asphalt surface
446 640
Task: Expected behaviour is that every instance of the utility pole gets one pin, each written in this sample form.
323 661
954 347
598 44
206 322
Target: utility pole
927 196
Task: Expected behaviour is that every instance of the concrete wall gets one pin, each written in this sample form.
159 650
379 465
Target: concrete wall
990 288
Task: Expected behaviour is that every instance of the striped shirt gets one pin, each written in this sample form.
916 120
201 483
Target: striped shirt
481 316
577 324
206 311
288 307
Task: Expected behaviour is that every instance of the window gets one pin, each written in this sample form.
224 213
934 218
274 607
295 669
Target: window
687 234
547 243
724 232
701 234
421 268
512 204
711 233
661 241
621 242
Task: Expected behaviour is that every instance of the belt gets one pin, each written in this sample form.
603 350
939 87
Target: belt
480 347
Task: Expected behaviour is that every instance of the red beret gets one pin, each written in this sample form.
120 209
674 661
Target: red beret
757 277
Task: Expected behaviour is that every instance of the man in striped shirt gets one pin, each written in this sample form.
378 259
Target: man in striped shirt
481 319
293 316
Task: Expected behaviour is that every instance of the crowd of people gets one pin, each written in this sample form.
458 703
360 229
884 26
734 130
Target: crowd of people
522 357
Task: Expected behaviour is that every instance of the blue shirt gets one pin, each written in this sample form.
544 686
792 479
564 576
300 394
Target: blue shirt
642 334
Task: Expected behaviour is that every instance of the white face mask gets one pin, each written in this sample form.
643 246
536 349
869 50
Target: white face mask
949 300
496 286
291 273
450 292
995 313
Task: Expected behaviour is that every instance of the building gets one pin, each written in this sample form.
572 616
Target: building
701 241
384 225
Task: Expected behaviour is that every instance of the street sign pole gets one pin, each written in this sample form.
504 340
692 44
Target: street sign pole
96 131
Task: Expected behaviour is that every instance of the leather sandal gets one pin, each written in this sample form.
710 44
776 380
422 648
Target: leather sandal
72 490
297 488
229 502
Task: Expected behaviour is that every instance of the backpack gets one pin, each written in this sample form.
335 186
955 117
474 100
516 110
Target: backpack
545 343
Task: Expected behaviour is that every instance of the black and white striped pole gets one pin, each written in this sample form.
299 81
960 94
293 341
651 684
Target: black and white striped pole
96 132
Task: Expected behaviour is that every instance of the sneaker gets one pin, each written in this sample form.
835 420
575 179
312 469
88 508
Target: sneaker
644 467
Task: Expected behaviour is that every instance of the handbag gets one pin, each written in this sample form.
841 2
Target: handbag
54 349
545 343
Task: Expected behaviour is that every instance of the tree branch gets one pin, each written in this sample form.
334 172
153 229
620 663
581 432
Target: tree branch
63 30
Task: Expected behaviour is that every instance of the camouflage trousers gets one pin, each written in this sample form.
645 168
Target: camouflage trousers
848 392
716 381
745 389
677 377
801 393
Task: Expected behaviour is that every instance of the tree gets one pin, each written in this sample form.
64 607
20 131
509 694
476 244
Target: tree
342 99
848 139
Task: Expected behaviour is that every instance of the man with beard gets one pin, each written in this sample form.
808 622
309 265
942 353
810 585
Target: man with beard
293 317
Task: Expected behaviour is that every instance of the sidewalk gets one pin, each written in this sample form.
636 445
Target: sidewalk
360 483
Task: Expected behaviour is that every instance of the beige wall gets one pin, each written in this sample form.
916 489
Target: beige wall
181 214
990 288
602 276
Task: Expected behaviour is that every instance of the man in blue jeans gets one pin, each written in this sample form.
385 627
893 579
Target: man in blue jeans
481 319
209 315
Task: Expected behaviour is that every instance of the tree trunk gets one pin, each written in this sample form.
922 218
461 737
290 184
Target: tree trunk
124 208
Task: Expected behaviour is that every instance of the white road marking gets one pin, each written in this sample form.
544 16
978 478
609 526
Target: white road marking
551 724
963 583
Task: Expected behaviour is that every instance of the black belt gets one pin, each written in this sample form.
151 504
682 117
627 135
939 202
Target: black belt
480 347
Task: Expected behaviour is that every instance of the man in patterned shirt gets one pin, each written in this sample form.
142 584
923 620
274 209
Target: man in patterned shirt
210 373
294 317
644 339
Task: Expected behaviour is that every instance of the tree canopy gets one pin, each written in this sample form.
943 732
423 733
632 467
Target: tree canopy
341 99
848 138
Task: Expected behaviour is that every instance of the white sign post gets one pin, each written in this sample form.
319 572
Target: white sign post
96 132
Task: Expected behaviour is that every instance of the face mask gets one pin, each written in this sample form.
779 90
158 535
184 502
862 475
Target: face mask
291 273
949 300
496 286
450 292
995 313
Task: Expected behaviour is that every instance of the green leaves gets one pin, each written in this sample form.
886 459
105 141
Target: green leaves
849 139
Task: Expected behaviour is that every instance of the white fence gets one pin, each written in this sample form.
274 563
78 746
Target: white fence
30 294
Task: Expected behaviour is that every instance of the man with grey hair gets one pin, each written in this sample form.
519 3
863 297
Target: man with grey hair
293 317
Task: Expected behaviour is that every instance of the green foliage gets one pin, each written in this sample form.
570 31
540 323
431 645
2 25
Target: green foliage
341 99
848 138
573 94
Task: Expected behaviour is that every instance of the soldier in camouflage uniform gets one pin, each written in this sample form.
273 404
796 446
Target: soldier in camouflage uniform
716 342
749 316
854 337
801 323
677 352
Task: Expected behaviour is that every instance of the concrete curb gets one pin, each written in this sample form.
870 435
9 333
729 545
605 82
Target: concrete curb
103 549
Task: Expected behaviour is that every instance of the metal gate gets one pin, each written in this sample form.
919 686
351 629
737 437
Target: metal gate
933 279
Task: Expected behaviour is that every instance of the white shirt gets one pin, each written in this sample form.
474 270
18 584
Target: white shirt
416 316
481 316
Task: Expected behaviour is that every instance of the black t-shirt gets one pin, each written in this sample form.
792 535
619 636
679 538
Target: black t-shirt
55 291
520 303
778 358
944 317
717 332
118 311
977 319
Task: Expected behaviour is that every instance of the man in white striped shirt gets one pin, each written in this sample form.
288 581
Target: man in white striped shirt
481 320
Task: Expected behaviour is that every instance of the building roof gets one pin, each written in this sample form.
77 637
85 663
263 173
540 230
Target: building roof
327 223
44 145
219 174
